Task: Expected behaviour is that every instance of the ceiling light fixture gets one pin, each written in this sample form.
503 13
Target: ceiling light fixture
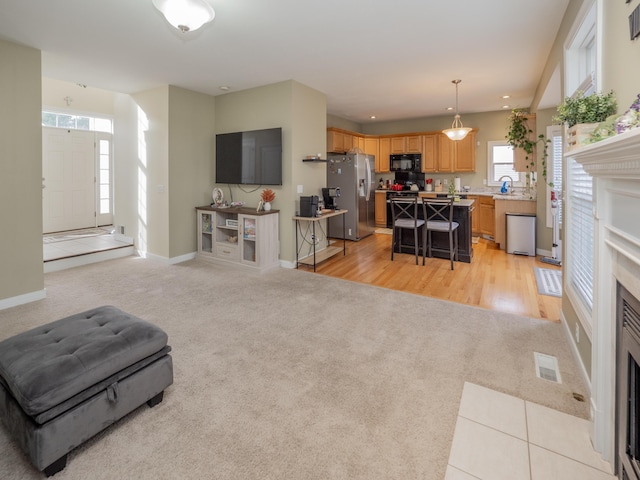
457 131
185 15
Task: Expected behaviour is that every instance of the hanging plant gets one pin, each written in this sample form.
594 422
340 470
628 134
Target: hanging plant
520 136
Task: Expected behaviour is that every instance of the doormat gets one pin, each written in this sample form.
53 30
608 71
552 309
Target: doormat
549 281
384 231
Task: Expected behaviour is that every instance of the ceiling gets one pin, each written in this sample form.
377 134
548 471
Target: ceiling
394 60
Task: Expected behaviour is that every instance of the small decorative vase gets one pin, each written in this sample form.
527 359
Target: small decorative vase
266 206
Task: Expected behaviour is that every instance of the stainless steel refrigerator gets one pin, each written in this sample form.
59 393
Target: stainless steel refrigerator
354 174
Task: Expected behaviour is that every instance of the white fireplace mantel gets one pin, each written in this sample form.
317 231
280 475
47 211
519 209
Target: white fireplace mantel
614 157
614 164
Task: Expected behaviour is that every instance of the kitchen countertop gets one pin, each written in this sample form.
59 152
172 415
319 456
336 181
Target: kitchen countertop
518 196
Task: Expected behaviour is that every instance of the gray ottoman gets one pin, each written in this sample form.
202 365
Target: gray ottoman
63 382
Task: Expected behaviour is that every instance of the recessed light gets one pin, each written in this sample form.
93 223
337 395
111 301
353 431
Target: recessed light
372 117
506 96
505 107
224 88
449 109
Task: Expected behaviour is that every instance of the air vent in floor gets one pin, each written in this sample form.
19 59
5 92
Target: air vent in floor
547 367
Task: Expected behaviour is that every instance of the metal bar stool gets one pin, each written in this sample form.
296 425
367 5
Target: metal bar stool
438 212
405 216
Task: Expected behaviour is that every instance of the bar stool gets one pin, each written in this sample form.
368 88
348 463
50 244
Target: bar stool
405 216
438 212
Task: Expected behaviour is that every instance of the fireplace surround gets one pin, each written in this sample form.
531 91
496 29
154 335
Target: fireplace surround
614 164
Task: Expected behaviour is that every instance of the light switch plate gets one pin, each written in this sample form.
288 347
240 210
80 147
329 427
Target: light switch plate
299 188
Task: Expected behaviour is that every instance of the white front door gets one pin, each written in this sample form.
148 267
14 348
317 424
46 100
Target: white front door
68 169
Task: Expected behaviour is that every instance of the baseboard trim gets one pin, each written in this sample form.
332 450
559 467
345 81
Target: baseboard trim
169 261
576 354
22 299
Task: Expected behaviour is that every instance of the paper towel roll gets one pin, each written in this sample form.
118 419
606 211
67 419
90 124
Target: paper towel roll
456 184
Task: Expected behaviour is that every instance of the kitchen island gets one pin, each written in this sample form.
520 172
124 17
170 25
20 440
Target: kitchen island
462 211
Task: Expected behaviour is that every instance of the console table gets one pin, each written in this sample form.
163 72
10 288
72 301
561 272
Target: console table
330 250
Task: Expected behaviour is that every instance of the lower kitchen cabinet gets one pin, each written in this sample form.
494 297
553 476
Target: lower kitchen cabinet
381 208
486 215
239 235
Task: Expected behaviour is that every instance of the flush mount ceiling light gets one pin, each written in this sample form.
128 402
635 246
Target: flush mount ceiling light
457 131
185 15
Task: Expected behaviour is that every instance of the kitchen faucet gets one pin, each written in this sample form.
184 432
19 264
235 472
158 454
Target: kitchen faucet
510 179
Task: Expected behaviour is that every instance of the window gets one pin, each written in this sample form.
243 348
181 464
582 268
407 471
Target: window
104 173
581 74
554 171
76 122
500 164
580 233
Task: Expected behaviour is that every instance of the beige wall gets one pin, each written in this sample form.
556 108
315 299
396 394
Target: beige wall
82 99
153 172
301 113
191 149
21 272
621 56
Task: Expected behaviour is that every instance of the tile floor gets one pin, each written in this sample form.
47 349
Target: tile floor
501 437
71 249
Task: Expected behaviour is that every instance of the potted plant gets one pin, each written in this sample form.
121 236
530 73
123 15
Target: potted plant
582 114
521 137
267 197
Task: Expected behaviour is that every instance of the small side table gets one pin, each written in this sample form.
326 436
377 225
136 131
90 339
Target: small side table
329 250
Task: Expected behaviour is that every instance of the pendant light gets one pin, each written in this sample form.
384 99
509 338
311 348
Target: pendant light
185 15
457 131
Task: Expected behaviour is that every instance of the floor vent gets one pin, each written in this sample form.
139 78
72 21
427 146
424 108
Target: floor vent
547 367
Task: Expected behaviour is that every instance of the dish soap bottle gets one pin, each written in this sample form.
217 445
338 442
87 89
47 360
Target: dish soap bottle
503 189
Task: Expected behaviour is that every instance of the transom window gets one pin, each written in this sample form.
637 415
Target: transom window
76 122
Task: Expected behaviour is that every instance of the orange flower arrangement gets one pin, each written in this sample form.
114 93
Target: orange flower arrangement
268 195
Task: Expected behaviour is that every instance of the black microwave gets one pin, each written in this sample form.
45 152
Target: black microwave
408 162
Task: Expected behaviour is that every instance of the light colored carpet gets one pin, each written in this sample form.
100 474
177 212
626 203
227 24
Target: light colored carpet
548 281
293 375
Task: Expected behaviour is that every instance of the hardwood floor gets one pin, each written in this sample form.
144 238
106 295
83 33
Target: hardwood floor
493 280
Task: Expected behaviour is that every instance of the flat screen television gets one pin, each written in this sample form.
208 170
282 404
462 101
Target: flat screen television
253 157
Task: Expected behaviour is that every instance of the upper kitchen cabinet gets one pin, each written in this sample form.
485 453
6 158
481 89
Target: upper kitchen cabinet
456 156
383 164
429 153
406 144
337 142
372 146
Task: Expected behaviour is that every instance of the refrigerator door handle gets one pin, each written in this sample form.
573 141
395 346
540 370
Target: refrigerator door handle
368 177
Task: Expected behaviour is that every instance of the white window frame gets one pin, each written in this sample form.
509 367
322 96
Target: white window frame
518 177
582 60
554 172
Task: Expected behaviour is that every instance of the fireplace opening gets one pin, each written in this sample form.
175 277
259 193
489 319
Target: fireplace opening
628 385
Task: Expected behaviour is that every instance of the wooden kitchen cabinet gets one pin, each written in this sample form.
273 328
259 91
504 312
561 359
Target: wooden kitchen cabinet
458 156
413 144
486 214
383 164
381 208
465 155
336 141
429 153
475 214
398 145
372 147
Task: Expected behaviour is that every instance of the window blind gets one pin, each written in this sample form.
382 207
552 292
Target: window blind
580 218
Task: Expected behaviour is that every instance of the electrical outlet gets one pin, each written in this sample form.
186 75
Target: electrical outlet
577 333
299 188
484 181
445 182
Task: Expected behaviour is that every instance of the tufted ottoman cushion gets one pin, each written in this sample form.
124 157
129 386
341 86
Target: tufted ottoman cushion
65 381
47 365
